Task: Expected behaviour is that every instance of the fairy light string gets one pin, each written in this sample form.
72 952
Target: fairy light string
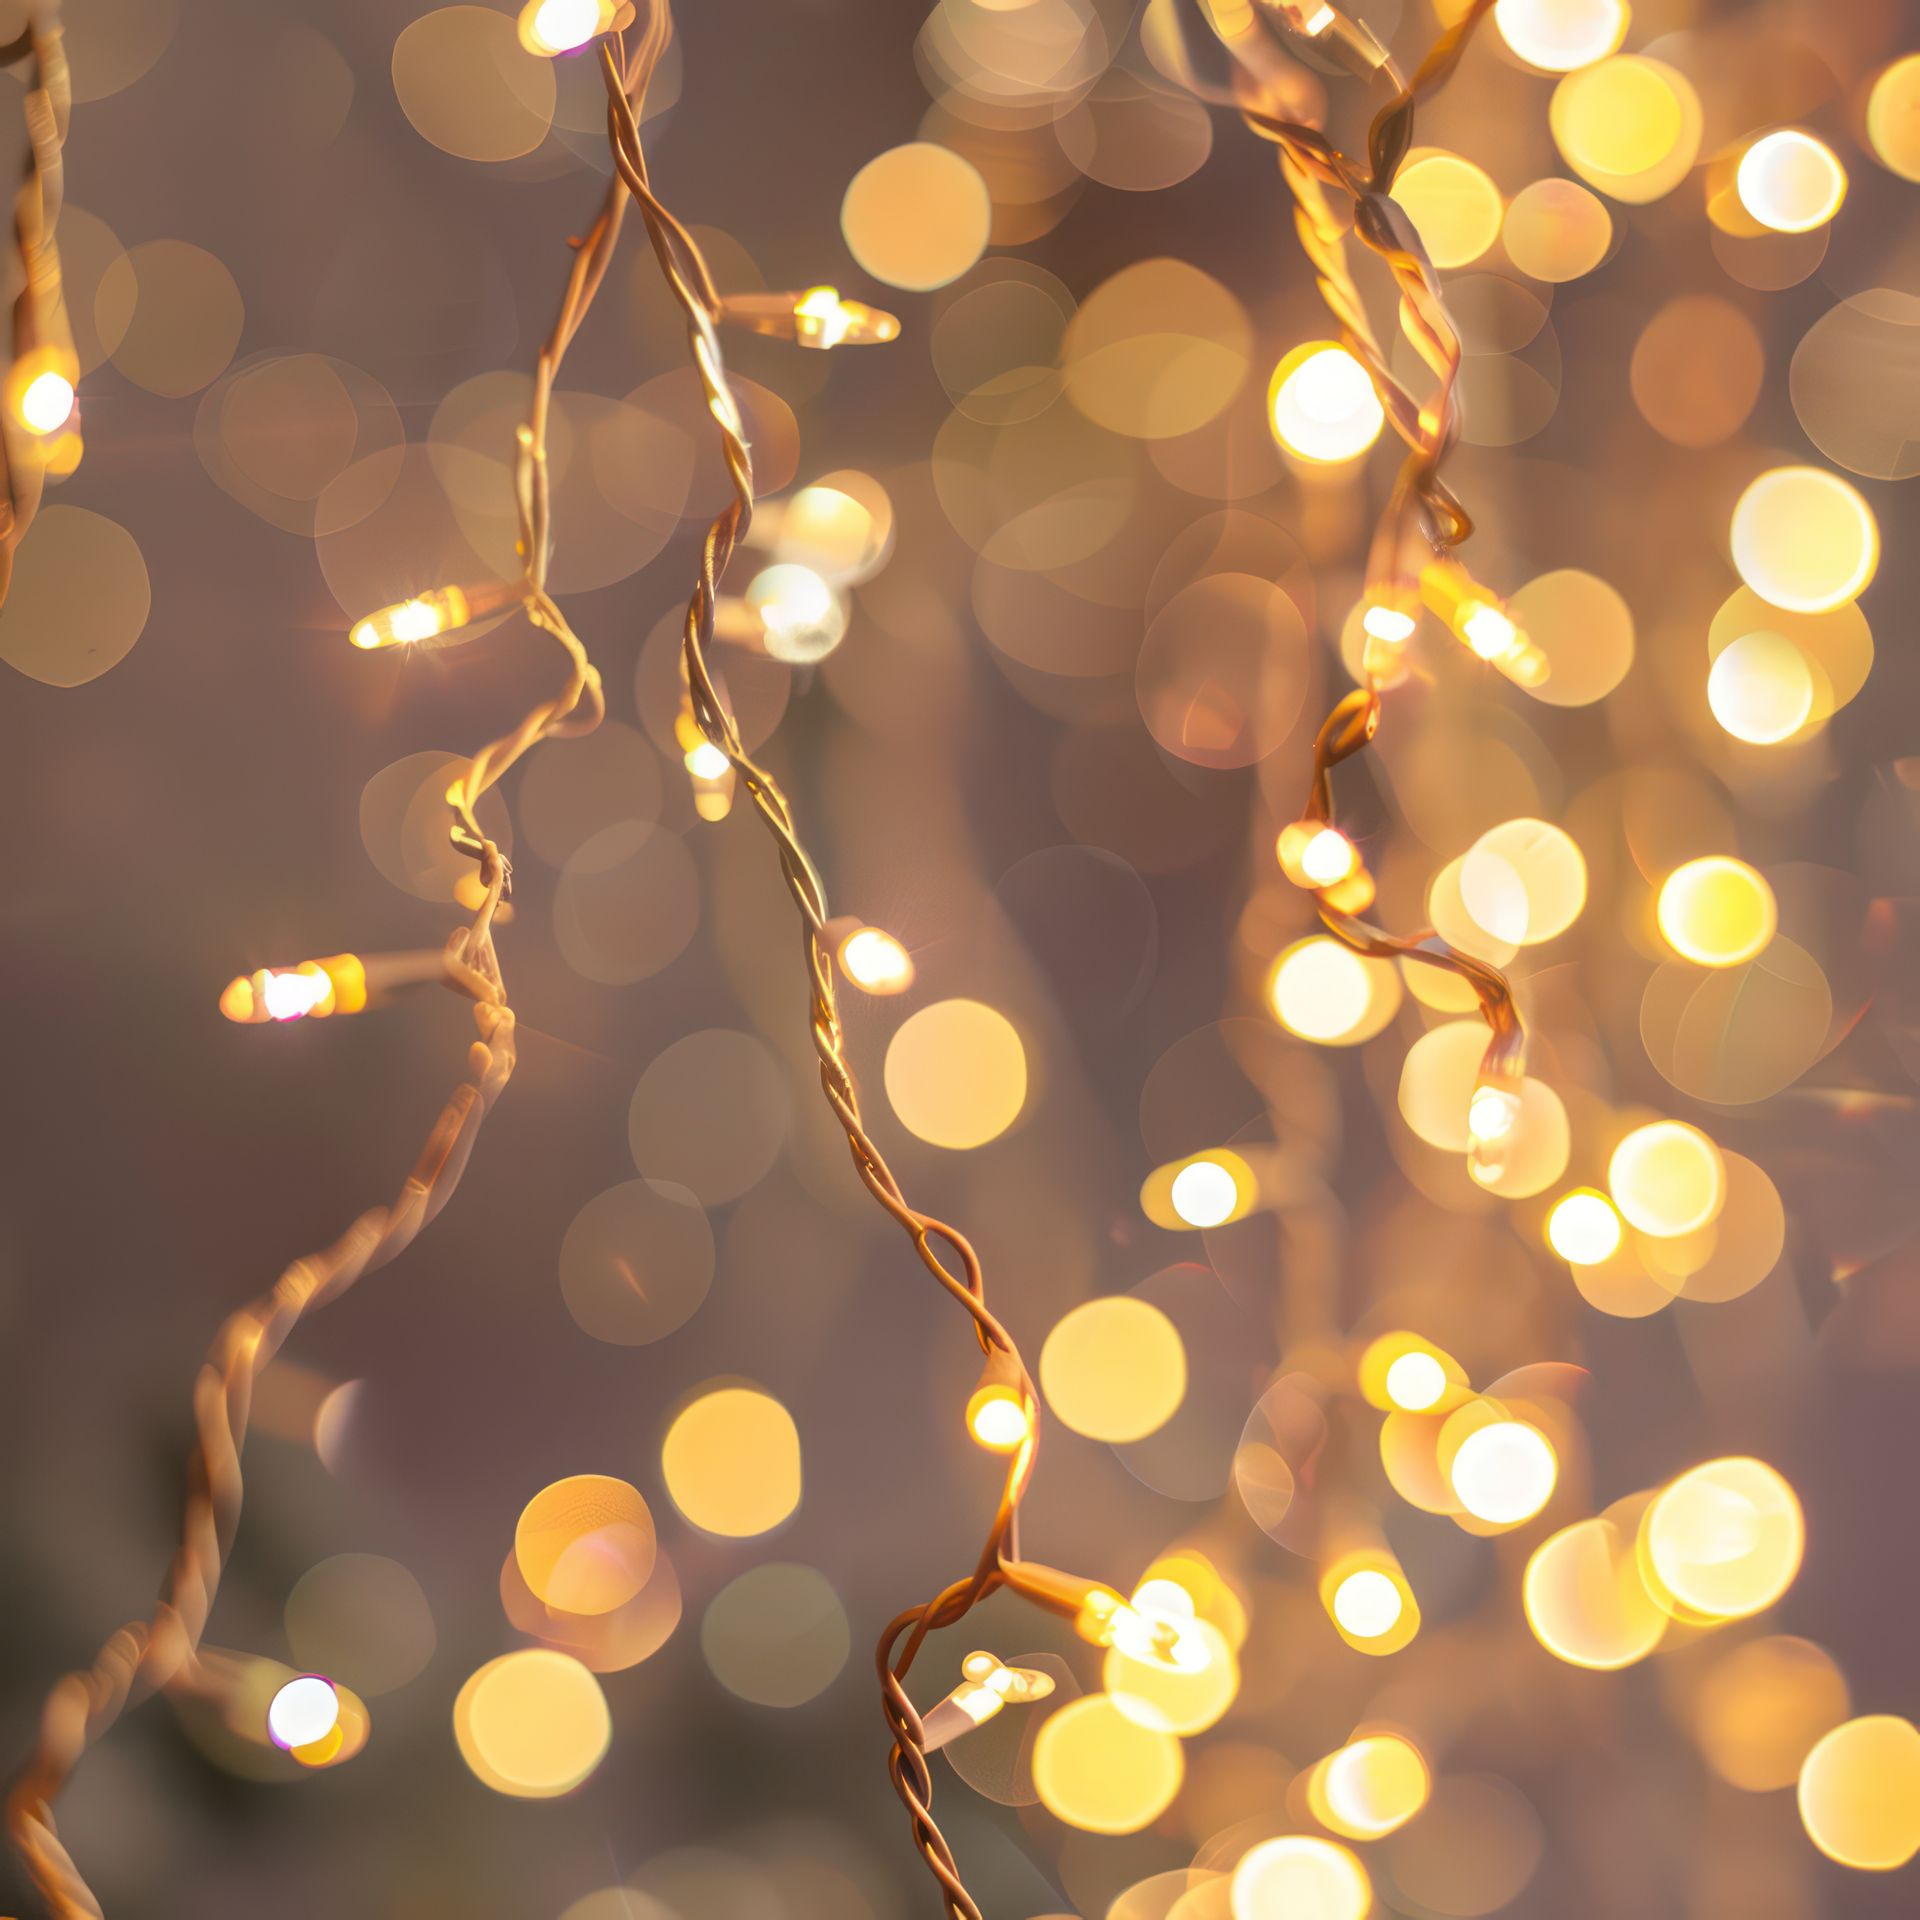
1098 1611
1411 559
164 1651
41 439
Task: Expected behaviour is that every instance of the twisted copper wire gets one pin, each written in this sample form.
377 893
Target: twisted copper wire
40 310
165 1650
1422 511
999 1562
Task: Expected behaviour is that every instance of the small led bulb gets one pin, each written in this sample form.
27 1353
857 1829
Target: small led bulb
1315 855
550 27
409 622
875 961
1482 624
1493 1114
802 619
303 1712
1000 1409
40 390
817 318
988 1684
314 988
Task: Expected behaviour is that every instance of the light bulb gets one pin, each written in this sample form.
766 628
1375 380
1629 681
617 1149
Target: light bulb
1328 857
47 403
1000 1408
802 619
314 988
822 319
1790 181
549 27
1479 621
1390 625
1368 1603
1322 405
987 1685
1504 1472
1583 1228
1416 1381
707 762
425 617
1205 1194
875 961
303 1712
1493 1113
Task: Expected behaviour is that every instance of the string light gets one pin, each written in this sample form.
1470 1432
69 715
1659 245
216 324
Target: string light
988 1685
41 438
875 961
303 1712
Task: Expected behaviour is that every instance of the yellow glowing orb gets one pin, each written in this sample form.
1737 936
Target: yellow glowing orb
1323 405
1368 1604
1583 1229
1893 117
1205 1194
917 216
1098 1770
1860 1793
1585 1600
1183 1700
1716 911
47 402
1760 688
1300 1877
1725 1539
1504 1472
732 1462
875 961
1761 1710
1416 1381
1323 991
1667 1178
1114 1369
1559 35
532 1724
1804 539
303 1712
956 1074
1628 125
585 1544
1369 1787
1790 181
1455 208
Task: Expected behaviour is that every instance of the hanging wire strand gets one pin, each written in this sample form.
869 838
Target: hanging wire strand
39 312
944 1251
164 1651
1423 521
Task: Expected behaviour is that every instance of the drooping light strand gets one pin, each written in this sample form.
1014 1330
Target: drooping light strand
40 438
1097 1611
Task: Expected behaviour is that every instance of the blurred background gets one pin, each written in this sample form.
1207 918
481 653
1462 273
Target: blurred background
1094 612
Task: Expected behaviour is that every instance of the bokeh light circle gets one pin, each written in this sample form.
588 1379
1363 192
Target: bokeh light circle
1114 1369
956 1074
1804 539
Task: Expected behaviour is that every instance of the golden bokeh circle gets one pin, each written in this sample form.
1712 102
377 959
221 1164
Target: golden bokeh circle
956 1074
1114 1369
917 216
731 1461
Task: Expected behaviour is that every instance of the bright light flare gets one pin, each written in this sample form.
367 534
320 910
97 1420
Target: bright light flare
1583 1228
1323 406
1790 181
551 27
1504 1472
875 961
1205 1194
410 622
303 1713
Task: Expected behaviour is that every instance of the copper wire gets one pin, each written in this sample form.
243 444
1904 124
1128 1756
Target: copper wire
39 312
165 1651
999 1562
1422 514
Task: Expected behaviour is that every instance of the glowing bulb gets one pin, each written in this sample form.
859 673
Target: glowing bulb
1583 1228
1804 539
1760 688
1368 1604
707 762
303 1712
998 1419
1667 1178
1482 624
425 617
1416 1381
1504 1473
801 617
1492 1115
1560 35
1390 625
1328 857
549 27
1299 1876
875 961
47 403
816 318
1205 1194
1790 181
1716 911
1323 405
1162 1635
315 987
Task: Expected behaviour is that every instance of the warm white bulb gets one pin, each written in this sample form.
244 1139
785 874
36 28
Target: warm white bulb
1790 181
1584 1230
707 762
1368 1604
1416 1382
1205 1194
303 1711
47 404
1504 1473
1328 858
